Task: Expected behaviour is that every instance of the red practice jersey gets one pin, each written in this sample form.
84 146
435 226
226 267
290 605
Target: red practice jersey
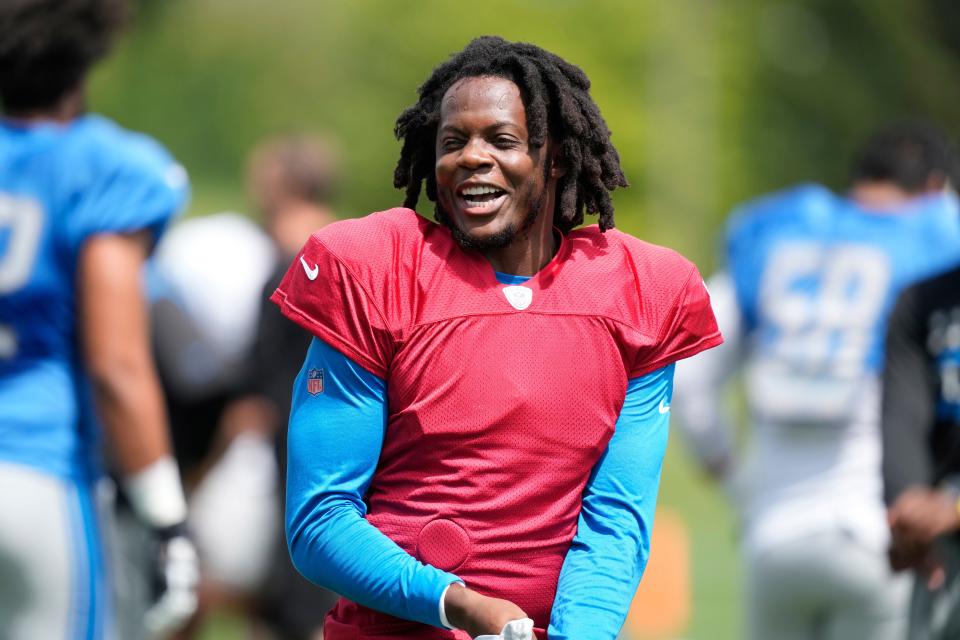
500 399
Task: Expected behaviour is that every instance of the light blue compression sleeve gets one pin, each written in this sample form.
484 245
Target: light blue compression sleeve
609 552
334 444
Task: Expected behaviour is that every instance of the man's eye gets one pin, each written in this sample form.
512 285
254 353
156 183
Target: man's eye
506 142
450 144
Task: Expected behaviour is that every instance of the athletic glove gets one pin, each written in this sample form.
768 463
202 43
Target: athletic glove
176 575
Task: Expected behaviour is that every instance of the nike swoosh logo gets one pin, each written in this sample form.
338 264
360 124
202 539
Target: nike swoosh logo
311 273
664 408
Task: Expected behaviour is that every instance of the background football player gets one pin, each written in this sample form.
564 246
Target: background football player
809 279
82 202
921 450
227 360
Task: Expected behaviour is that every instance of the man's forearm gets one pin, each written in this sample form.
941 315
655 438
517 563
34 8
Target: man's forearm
335 439
116 343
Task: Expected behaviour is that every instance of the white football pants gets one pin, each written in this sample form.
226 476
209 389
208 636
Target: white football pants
53 568
824 586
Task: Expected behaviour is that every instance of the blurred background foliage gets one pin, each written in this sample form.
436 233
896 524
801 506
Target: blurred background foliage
709 102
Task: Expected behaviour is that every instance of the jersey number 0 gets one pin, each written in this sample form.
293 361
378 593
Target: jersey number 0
21 225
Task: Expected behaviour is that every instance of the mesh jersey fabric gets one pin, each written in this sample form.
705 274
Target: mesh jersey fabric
496 416
59 185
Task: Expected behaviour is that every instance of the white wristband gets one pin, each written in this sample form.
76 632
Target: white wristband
443 611
156 494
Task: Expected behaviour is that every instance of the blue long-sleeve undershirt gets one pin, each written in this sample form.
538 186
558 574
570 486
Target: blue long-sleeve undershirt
332 544
609 552
333 446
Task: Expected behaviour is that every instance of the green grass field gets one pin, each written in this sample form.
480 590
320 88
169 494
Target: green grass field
716 611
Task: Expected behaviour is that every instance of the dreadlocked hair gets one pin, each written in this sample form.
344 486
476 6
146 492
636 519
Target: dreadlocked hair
556 96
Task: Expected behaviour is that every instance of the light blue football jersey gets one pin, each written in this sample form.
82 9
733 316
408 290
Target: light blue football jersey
815 278
59 185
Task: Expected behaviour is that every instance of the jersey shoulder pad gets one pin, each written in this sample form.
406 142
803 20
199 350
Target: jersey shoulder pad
127 181
370 246
803 205
349 284
670 311
112 150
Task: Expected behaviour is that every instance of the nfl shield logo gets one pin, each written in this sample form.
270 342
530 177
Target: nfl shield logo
315 381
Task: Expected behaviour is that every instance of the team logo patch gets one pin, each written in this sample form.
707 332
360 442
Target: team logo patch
315 381
518 297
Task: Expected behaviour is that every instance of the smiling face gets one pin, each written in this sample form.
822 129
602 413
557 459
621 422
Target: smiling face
495 189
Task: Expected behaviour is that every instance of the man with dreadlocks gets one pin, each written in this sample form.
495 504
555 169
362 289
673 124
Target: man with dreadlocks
477 431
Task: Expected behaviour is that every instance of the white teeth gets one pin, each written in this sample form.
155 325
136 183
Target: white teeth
479 190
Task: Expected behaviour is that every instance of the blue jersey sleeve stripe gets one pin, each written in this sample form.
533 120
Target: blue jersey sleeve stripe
609 553
335 437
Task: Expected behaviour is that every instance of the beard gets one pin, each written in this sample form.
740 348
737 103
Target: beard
500 239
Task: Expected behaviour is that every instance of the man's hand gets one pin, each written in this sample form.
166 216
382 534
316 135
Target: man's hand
477 614
175 580
903 557
922 560
922 514
917 518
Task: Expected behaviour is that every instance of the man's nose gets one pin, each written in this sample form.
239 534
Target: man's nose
475 154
